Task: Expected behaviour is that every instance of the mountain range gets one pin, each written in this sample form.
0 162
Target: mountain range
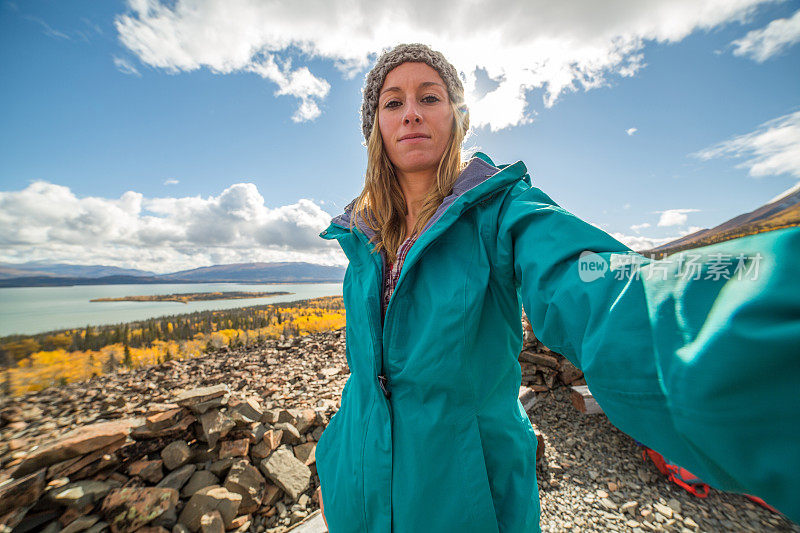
42 274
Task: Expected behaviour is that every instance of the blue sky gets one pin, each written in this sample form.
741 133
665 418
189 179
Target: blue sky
150 135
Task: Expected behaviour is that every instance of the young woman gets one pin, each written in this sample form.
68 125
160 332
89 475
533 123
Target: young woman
430 435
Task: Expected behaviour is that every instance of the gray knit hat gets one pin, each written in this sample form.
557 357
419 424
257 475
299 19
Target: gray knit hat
404 53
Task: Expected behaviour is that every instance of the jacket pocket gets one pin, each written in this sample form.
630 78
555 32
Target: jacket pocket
338 456
476 488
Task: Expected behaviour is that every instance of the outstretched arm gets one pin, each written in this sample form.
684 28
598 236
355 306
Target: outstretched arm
699 364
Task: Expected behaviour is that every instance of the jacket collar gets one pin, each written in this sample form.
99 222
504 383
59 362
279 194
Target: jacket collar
479 169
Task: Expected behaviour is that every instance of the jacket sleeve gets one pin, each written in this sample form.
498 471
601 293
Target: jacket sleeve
701 367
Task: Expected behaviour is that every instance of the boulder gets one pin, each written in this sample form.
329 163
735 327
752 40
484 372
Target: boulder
78 442
177 478
128 509
199 480
176 454
286 471
207 500
215 426
245 479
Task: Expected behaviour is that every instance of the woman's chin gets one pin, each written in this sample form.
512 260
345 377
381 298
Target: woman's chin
418 162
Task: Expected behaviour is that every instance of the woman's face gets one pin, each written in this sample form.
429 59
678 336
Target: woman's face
414 117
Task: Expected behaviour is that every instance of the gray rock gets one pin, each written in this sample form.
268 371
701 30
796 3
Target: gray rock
220 468
80 493
215 426
245 412
257 432
663 509
290 433
167 519
246 480
176 454
128 509
192 397
176 479
304 420
199 480
283 469
82 523
212 522
207 500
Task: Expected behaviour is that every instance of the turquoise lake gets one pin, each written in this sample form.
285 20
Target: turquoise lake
28 310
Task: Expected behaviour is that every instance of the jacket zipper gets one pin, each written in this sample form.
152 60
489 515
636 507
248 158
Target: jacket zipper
426 245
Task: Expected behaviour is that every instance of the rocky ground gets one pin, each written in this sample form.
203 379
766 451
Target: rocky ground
226 441
593 478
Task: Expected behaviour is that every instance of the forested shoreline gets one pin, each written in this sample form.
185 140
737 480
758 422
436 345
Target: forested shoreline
33 362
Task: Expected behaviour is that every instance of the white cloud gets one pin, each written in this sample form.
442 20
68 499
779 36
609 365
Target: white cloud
46 28
674 217
691 229
771 150
48 221
637 227
171 181
640 242
543 46
299 83
631 131
770 40
125 66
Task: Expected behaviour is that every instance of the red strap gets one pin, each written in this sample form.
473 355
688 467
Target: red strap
762 503
698 489
673 473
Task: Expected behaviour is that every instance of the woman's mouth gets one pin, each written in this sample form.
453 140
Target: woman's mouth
414 138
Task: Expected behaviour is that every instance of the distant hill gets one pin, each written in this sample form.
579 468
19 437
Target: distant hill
286 272
261 272
65 281
44 268
780 212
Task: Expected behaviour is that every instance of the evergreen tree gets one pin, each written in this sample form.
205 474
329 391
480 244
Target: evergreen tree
127 360
111 364
87 337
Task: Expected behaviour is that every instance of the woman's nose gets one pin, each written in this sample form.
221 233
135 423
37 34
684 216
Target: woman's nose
411 115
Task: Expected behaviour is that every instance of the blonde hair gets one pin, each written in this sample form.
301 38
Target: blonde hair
381 203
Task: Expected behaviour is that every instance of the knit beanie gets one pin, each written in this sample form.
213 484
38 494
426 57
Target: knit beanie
404 53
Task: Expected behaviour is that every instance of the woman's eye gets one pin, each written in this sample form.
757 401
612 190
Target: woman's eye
431 99
390 103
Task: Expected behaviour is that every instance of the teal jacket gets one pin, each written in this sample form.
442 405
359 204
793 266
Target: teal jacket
704 369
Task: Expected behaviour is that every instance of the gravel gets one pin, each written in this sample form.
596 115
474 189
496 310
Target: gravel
593 478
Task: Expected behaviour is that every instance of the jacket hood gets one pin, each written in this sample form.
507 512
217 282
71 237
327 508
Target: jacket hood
478 169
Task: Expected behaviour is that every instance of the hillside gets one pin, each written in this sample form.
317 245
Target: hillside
780 212
260 272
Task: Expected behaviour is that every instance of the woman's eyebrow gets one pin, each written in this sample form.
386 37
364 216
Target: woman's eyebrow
421 85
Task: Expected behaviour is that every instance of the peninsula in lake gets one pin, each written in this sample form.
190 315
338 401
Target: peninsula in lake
187 297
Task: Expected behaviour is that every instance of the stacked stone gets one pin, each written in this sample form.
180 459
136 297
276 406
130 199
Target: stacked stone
207 461
309 375
543 369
